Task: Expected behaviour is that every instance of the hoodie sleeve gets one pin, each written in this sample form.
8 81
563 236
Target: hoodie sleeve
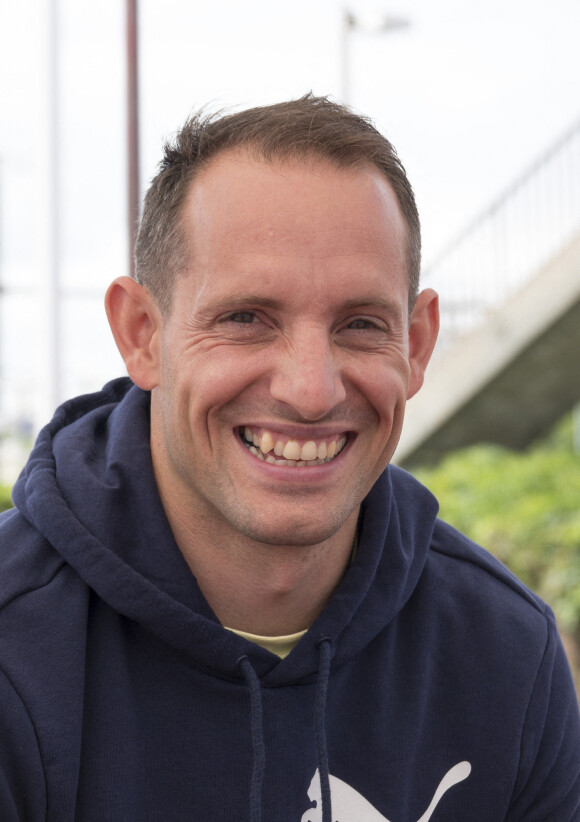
548 781
22 783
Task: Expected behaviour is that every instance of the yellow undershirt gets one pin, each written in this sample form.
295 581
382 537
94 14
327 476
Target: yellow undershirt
279 645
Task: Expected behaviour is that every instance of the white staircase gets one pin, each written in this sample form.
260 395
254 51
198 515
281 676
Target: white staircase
508 365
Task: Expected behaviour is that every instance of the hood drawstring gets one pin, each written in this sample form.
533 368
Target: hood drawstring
323 677
259 749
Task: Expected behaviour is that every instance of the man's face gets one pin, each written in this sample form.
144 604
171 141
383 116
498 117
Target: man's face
285 357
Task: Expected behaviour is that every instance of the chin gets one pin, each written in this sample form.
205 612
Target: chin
292 531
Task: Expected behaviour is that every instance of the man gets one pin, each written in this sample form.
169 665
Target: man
219 602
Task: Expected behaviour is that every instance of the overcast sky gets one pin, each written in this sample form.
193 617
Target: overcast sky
470 94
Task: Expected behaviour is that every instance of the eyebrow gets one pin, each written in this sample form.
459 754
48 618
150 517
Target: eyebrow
390 306
238 300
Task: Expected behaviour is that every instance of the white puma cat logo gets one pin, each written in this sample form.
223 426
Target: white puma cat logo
349 806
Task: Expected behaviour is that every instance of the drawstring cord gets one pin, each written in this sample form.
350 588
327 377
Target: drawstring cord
323 677
258 748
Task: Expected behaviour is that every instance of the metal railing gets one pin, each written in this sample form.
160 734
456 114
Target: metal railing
510 241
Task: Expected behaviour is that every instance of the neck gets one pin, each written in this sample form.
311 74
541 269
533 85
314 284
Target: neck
264 589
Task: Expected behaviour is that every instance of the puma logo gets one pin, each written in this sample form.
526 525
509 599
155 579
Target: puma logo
349 806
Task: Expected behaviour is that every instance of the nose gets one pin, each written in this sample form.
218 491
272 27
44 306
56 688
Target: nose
307 376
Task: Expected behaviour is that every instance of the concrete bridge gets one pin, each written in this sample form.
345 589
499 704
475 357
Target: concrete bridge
508 374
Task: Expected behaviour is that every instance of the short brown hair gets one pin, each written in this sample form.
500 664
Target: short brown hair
298 129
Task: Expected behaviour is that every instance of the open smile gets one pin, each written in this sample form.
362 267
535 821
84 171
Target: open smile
278 449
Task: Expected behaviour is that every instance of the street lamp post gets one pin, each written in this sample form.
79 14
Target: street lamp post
350 23
53 385
132 127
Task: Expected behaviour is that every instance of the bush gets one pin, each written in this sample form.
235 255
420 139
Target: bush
5 498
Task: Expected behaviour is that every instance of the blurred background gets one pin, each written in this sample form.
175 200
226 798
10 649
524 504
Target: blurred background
482 103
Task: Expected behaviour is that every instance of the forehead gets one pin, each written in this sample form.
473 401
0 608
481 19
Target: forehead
235 189
253 215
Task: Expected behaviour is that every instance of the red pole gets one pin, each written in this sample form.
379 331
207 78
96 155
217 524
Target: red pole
132 128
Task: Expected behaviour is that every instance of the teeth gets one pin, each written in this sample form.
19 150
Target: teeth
309 451
291 450
267 443
290 453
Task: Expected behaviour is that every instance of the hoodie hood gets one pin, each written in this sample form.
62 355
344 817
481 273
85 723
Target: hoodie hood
89 489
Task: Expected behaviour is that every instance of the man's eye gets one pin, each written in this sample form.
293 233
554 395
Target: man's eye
358 324
244 317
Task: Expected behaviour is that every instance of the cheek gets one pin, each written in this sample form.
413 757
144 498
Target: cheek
222 363
201 396
385 389
230 376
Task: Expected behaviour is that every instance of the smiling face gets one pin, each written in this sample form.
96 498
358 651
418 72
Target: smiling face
288 354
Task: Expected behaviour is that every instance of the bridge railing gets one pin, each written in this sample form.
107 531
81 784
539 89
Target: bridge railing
510 241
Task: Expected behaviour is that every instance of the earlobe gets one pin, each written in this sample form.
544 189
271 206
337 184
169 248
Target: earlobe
136 324
423 331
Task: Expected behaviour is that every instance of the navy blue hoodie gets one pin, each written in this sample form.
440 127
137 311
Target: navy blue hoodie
433 685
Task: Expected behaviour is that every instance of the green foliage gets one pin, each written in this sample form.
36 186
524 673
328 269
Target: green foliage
525 509
5 498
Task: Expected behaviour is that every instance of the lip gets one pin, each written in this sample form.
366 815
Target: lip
300 432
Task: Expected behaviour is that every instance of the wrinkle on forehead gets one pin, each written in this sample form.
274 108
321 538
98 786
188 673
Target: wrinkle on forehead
240 207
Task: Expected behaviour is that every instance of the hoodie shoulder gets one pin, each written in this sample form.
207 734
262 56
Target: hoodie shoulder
459 556
27 561
463 586
490 576
44 607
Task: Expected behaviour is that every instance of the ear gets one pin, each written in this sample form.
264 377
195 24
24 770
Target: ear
136 323
423 331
